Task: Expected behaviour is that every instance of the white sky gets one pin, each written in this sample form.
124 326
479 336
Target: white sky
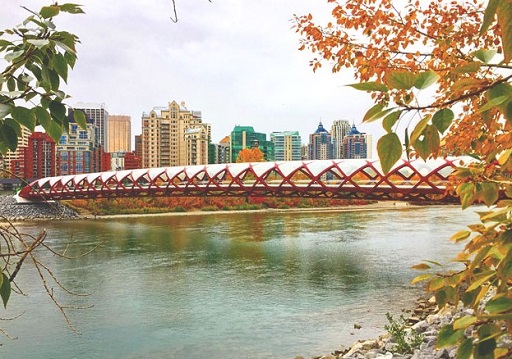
236 61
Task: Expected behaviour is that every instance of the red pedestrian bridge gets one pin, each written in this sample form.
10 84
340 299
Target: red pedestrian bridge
414 180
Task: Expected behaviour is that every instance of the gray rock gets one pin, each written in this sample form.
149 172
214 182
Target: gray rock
12 211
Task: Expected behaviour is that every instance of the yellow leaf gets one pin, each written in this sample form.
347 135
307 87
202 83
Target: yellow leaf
460 236
421 266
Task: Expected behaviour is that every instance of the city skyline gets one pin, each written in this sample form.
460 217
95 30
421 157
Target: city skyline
238 63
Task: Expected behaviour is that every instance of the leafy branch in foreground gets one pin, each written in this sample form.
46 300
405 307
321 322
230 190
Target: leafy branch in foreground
20 248
38 58
454 97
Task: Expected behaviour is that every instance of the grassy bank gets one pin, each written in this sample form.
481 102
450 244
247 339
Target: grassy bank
151 205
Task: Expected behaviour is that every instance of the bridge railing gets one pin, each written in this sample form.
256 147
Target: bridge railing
408 180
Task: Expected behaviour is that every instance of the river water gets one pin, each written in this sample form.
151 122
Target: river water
226 285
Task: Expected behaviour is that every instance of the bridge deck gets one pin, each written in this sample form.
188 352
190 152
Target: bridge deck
408 180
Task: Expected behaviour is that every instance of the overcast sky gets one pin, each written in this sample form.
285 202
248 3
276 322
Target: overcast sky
236 61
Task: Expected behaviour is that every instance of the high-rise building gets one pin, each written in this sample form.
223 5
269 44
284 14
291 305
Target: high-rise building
223 153
287 145
197 143
78 150
320 144
138 146
40 157
99 116
245 137
357 145
19 152
304 152
339 129
163 136
119 133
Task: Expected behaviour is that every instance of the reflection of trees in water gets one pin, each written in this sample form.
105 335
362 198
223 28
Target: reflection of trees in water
324 249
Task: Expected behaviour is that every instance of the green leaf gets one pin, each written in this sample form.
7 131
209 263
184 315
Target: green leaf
39 43
429 144
495 102
4 43
484 55
70 58
5 289
482 278
54 79
24 117
490 11
370 86
448 336
484 349
389 121
498 90
389 149
14 125
49 11
490 193
465 349
58 112
9 137
80 118
72 8
441 299
499 304
61 66
43 118
54 130
508 112
11 56
425 79
4 110
402 80
504 11
442 119
418 129
374 113
469 67
464 322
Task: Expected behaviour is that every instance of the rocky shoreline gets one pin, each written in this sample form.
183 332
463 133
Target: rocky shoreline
13 212
424 321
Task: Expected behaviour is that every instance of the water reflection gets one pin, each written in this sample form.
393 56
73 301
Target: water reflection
263 285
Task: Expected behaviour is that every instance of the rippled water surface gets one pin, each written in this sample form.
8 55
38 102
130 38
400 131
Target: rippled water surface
227 285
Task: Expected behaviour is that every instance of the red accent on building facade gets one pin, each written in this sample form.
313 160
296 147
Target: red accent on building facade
38 160
132 161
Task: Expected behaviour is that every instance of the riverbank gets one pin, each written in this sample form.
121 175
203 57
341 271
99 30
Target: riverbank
12 211
424 322
377 206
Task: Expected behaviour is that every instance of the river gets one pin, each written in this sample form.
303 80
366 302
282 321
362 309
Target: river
226 285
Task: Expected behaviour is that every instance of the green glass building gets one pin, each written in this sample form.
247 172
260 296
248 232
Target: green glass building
245 137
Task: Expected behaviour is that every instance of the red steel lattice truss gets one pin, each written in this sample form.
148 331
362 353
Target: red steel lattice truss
414 180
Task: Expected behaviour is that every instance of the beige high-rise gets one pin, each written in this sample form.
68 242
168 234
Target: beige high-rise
165 141
119 133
